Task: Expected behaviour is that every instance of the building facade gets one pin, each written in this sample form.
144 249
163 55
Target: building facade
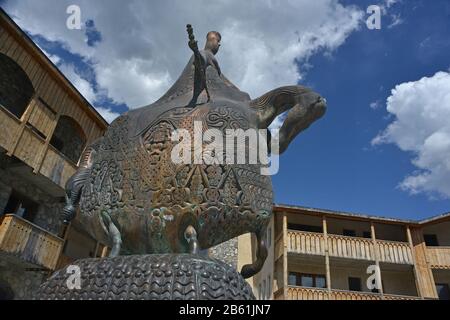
45 123
319 254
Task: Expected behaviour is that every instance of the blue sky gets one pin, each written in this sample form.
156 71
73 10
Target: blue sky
334 165
337 163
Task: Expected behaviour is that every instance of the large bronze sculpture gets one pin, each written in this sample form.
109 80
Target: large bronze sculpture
132 196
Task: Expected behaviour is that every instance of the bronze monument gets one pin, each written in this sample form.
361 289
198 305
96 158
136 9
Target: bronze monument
157 215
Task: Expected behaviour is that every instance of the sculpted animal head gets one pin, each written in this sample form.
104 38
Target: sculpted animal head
303 107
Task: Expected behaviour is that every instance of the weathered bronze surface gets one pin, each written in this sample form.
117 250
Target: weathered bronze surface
132 195
148 277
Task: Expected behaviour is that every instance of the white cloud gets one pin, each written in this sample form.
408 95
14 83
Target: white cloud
85 88
375 105
386 9
53 58
422 127
390 3
144 44
396 20
81 84
108 114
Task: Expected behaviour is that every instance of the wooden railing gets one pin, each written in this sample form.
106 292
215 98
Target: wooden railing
348 247
394 252
306 242
303 293
19 139
28 242
439 257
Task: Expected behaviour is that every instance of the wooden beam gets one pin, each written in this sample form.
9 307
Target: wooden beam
327 254
21 129
43 154
425 278
44 151
285 260
377 254
413 255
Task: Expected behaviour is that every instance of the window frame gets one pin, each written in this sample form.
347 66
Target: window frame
300 275
349 233
359 282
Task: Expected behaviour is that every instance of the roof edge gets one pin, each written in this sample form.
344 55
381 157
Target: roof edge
432 219
53 68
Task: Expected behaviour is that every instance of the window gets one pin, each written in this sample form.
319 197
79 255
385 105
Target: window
292 279
443 291
431 240
16 89
307 280
69 138
21 206
321 282
367 234
269 237
354 284
303 227
349 233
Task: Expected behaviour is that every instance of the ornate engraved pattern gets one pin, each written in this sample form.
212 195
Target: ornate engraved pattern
134 176
150 277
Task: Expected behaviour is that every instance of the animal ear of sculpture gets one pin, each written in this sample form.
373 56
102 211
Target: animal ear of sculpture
305 106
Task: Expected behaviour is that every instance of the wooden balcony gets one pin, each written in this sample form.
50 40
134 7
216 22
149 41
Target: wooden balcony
351 247
438 257
311 243
303 293
27 243
305 242
20 138
394 252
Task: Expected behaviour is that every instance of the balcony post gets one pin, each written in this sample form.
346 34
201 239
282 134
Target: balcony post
413 255
23 122
425 277
327 254
377 255
285 261
43 153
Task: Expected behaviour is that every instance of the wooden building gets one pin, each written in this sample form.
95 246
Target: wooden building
319 254
45 124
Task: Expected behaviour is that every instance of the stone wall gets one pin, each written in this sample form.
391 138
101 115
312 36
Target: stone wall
49 209
16 89
24 283
226 252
